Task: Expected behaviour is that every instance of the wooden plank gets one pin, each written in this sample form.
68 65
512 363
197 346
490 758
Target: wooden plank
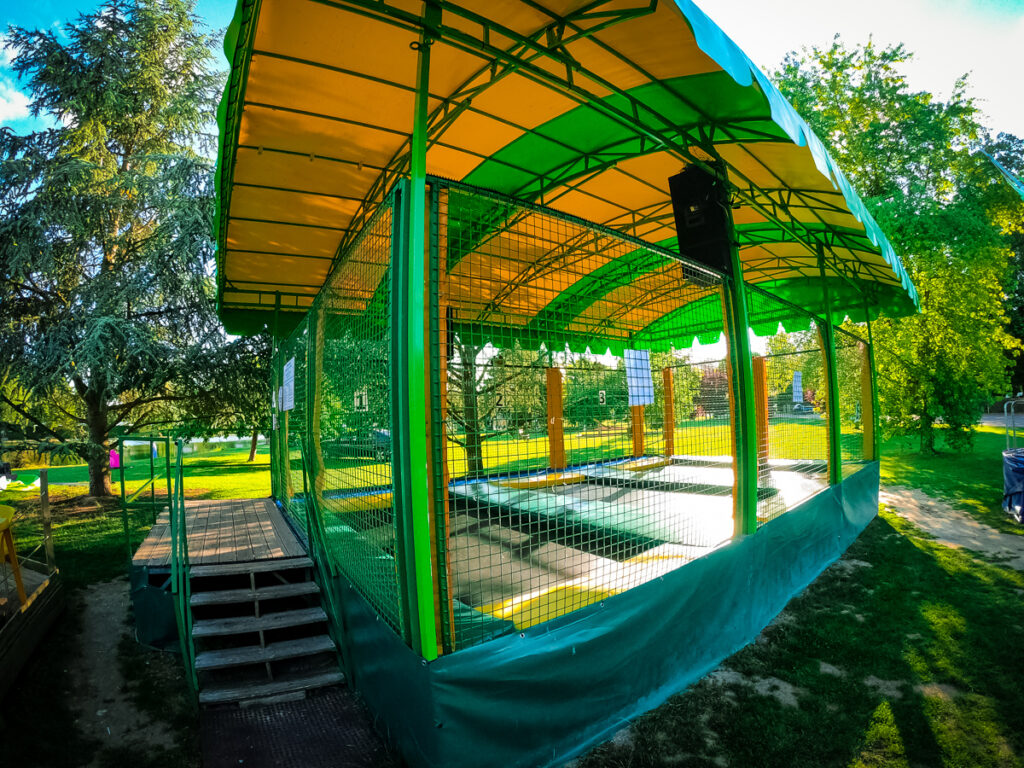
286 541
155 549
669 427
245 624
256 566
221 514
256 524
556 438
225 514
636 413
222 695
261 530
237 548
24 632
760 369
275 592
197 540
254 654
245 521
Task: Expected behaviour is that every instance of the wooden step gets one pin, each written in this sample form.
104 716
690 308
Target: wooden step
275 592
253 566
243 624
235 692
254 654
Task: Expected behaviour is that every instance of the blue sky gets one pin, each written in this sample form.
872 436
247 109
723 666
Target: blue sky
949 38
48 13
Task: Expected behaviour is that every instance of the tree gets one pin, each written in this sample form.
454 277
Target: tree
239 400
105 291
584 405
912 158
1008 213
491 393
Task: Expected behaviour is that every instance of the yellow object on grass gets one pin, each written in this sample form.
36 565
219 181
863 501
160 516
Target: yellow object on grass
7 551
543 481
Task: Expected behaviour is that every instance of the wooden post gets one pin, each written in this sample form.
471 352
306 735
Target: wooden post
669 428
44 505
761 406
556 437
636 413
867 404
826 337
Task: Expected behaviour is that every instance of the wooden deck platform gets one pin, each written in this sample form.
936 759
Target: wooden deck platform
223 531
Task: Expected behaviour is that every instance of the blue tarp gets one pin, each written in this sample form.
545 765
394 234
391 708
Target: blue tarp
1013 483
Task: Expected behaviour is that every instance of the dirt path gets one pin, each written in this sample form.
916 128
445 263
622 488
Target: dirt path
106 712
952 527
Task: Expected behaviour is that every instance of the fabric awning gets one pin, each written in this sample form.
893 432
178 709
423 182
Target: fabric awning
586 107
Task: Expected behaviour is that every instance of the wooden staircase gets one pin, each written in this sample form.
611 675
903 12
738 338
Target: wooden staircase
260 632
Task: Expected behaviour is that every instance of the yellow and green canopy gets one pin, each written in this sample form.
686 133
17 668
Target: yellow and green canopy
585 107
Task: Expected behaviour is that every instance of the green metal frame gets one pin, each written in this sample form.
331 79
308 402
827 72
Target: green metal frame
130 503
409 407
744 424
414 314
180 585
828 339
437 432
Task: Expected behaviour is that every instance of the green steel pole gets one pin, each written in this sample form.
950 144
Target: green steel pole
167 467
745 428
124 502
408 309
874 396
828 338
312 465
152 481
275 436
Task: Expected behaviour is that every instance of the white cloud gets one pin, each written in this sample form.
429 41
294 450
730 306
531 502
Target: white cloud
13 103
6 54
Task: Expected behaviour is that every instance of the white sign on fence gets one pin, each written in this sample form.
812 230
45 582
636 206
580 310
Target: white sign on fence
288 387
638 376
798 386
360 400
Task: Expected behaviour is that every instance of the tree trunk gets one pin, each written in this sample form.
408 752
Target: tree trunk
252 445
471 412
99 454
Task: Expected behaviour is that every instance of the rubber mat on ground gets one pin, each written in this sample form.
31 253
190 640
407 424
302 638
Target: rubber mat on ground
328 729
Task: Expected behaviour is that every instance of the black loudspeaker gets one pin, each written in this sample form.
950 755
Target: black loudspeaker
700 200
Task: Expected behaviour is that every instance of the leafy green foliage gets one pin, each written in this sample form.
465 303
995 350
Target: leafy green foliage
912 158
492 393
106 315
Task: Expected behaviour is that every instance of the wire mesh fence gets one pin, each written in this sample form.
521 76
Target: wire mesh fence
333 422
853 368
588 452
791 406
292 424
581 438
352 469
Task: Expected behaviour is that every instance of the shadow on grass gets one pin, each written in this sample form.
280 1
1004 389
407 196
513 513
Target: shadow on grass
924 647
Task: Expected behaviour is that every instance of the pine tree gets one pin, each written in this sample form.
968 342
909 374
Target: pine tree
105 220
